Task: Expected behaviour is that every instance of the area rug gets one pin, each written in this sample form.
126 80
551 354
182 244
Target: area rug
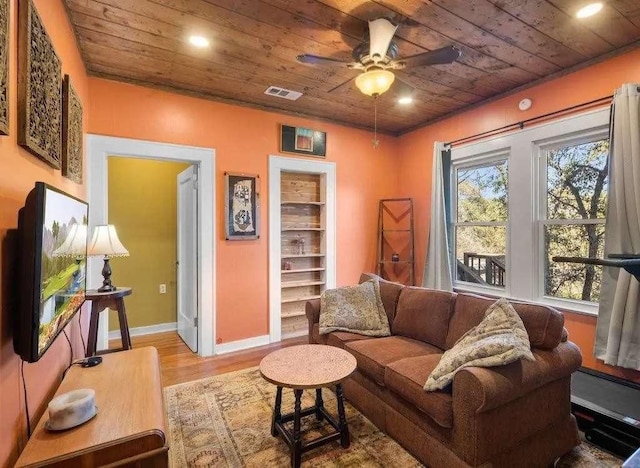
224 421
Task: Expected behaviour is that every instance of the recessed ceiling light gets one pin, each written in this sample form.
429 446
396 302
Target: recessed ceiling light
405 100
199 41
589 10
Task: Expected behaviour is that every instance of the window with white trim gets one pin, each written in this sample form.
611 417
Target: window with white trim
573 210
481 216
520 199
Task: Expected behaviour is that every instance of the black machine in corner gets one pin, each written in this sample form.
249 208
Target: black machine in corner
607 410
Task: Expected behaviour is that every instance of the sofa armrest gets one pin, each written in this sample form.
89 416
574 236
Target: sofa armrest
312 310
485 388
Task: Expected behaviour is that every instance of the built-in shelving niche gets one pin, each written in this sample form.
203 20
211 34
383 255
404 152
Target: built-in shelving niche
303 246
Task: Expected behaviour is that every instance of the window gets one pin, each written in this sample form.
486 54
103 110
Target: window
573 205
520 199
481 223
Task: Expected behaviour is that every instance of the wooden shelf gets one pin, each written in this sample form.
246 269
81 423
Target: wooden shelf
396 230
297 284
302 255
300 299
317 203
402 261
293 314
302 270
303 229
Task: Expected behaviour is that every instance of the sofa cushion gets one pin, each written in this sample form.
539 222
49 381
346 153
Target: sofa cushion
356 309
337 339
424 314
389 292
499 339
544 324
407 377
374 354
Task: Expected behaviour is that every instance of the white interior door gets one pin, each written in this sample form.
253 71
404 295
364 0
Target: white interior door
188 257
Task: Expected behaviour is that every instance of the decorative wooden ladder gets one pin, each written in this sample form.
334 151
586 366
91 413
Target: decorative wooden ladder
396 211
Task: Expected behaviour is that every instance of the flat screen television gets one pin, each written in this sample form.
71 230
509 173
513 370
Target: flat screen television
52 233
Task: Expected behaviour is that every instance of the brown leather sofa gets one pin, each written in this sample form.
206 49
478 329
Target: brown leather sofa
514 415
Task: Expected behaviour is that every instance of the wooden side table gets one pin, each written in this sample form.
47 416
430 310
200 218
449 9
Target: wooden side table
107 300
130 427
308 367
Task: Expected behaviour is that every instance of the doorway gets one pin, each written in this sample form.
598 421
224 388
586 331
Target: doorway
99 149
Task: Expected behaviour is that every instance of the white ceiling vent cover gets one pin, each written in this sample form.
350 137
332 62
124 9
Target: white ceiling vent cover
282 93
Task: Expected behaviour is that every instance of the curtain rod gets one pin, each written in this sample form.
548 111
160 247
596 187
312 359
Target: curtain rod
520 125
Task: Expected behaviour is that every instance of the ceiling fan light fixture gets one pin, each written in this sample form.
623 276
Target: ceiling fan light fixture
375 82
589 10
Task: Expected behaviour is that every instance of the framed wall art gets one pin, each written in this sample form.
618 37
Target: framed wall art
39 88
242 206
4 67
303 141
71 132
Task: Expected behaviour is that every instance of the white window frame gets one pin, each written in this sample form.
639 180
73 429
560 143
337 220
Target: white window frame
542 149
479 161
524 257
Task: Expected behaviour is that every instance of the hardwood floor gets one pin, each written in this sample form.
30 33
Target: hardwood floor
178 364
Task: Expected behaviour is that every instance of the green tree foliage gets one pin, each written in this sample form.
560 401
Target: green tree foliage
576 189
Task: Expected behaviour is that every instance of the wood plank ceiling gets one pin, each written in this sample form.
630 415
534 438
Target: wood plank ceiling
505 44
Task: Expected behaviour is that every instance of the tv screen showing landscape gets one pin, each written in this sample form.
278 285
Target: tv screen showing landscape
63 263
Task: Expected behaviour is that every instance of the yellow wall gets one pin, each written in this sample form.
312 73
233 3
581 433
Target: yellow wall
143 208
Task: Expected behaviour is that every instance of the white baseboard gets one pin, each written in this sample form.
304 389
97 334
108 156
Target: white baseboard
159 328
239 345
295 334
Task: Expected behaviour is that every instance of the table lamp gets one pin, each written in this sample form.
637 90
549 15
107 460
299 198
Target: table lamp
74 245
105 242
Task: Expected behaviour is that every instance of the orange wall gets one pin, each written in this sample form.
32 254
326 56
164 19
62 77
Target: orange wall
18 172
416 151
243 139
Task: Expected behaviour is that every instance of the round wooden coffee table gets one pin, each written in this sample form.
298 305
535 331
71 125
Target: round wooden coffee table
308 367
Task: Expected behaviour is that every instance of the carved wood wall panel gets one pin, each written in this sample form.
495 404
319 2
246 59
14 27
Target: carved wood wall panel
4 67
71 132
39 87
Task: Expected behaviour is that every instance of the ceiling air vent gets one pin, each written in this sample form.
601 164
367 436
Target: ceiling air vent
282 93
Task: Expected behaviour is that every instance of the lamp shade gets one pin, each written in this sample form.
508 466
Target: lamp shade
105 242
75 244
375 82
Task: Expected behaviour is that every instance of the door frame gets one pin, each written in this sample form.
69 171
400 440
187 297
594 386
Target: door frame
99 148
277 164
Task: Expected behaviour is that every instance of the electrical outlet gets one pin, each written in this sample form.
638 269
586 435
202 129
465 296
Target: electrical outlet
163 289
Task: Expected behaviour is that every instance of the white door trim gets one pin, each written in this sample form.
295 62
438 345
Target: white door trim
98 149
277 164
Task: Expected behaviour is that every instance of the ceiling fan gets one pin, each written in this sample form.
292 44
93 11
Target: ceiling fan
377 56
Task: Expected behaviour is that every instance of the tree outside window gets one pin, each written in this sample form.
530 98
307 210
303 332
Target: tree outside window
481 223
575 202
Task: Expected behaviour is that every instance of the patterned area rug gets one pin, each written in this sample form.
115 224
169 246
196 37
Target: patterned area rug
224 421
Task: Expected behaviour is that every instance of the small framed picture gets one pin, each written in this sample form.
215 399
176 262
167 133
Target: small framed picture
242 206
303 141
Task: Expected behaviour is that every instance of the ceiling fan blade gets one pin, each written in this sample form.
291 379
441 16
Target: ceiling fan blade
318 60
441 56
381 32
340 86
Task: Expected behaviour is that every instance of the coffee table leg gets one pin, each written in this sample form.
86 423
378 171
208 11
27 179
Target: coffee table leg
296 453
342 420
319 404
276 412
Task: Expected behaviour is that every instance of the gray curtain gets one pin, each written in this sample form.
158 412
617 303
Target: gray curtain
437 269
618 328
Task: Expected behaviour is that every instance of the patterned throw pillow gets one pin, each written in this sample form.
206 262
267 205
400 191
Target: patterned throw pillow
499 339
356 309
